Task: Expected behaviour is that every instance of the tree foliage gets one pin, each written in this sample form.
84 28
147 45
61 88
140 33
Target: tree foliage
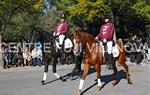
142 8
18 16
130 16
49 20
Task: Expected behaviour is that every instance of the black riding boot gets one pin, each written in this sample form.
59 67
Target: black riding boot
110 56
108 60
62 56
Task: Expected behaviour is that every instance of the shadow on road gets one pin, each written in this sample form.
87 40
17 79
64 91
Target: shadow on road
106 79
65 78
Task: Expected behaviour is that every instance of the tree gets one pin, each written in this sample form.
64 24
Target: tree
1 32
15 8
49 20
85 14
142 8
130 16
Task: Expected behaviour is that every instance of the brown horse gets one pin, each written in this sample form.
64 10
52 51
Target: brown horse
94 57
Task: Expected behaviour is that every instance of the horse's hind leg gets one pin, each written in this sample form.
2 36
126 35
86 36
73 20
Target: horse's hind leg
77 67
73 71
54 65
115 71
127 72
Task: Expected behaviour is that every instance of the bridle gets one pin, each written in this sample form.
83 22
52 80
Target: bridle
77 45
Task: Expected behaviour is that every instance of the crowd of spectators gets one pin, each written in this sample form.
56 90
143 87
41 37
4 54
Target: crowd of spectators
17 56
140 49
14 57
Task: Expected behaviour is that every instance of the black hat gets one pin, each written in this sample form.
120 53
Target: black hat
107 16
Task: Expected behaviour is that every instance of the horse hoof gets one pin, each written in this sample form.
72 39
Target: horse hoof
98 88
62 79
129 81
114 82
42 81
78 92
73 78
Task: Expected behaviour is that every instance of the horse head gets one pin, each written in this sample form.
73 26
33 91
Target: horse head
77 42
85 41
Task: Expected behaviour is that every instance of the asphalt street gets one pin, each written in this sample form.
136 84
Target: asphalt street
26 81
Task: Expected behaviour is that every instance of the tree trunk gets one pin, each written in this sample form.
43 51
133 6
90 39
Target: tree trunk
1 51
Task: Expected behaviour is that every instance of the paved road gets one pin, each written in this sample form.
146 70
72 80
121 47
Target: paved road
26 81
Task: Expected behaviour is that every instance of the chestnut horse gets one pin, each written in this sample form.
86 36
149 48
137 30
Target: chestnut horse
94 57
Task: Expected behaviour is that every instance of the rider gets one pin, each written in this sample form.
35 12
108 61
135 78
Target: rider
60 31
108 37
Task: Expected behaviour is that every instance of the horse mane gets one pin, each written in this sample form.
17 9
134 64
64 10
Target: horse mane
86 35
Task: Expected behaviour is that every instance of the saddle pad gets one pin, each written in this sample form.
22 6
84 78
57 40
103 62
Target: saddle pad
115 51
68 43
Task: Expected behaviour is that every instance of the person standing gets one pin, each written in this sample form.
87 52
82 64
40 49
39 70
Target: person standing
133 49
139 50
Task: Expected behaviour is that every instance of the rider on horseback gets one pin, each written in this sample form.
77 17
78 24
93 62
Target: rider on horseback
60 31
107 35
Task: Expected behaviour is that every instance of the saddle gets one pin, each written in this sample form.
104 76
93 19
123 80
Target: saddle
67 43
114 49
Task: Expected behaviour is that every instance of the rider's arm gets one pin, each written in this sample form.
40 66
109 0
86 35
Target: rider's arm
65 28
58 33
111 31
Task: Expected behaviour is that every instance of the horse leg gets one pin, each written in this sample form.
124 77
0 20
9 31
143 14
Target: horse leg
85 72
74 71
54 65
115 72
127 72
77 67
45 73
98 70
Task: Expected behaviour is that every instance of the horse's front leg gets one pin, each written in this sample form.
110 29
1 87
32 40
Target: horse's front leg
86 70
98 71
45 73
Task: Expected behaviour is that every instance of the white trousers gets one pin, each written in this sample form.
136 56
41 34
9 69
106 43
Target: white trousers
109 47
60 38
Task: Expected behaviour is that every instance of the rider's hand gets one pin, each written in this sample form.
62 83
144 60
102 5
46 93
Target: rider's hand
57 33
96 38
113 43
54 34
104 40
